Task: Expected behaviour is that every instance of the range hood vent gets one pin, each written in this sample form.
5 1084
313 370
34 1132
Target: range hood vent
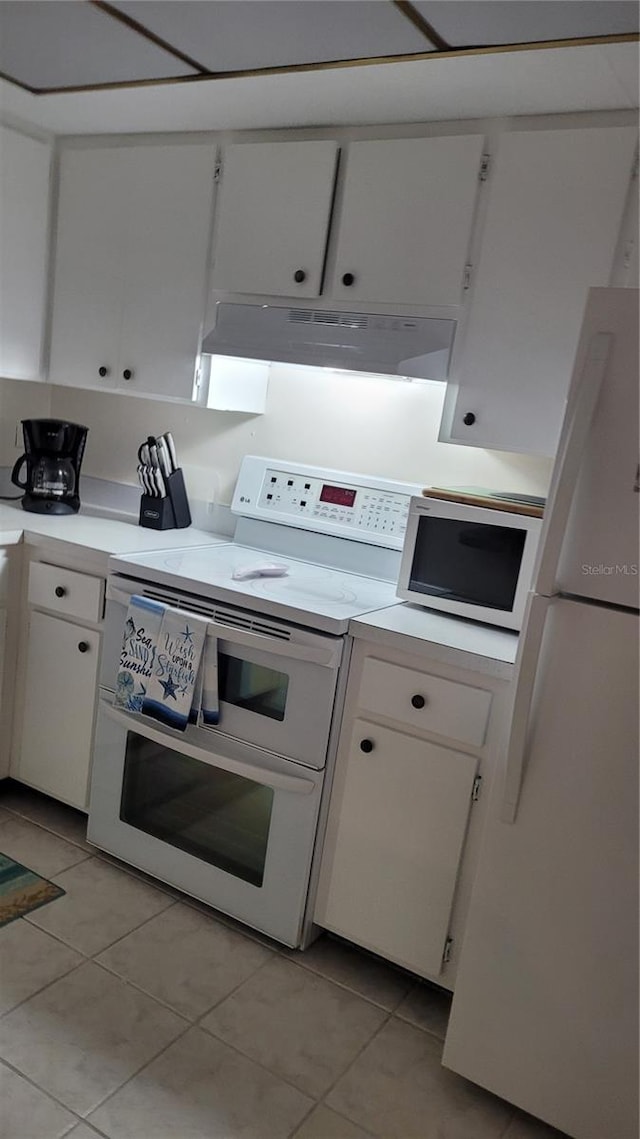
417 347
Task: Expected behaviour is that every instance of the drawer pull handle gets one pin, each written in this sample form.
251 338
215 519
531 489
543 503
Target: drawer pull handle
83 646
60 591
418 701
366 745
299 276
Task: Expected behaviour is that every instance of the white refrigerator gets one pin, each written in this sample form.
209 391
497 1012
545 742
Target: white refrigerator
545 1010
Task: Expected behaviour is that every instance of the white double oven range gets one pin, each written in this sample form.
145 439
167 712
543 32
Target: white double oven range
233 813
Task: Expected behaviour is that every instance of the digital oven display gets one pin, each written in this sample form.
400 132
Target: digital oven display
337 495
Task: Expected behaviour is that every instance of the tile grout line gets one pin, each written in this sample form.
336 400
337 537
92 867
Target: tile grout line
49 1095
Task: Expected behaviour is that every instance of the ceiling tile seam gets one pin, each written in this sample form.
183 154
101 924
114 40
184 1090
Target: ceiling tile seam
373 61
421 24
140 29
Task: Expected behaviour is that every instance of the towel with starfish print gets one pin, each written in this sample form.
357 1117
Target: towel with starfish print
141 629
175 669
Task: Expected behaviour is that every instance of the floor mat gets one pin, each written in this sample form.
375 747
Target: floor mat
22 891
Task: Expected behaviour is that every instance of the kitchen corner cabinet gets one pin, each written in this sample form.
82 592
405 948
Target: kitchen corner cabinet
556 202
24 239
131 263
401 237
397 861
58 681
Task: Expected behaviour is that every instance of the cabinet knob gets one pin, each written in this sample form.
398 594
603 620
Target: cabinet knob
418 700
348 279
127 374
366 745
299 276
468 419
102 371
60 591
83 646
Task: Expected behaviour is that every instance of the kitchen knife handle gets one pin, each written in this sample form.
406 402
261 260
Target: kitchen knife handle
168 438
164 461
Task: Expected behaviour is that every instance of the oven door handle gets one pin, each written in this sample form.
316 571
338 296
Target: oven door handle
292 784
328 656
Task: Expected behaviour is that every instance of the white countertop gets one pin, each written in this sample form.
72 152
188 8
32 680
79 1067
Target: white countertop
412 628
103 535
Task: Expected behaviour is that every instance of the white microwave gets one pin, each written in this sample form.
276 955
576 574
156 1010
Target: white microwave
471 561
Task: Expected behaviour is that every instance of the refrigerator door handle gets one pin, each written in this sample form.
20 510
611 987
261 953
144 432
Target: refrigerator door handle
575 433
523 689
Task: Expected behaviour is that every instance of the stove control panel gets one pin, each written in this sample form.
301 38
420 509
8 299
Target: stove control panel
334 502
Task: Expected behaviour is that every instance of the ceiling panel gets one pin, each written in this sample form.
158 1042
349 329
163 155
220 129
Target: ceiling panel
64 43
526 83
238 35
465 23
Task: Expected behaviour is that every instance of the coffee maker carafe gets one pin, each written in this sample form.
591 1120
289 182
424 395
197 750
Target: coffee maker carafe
53 455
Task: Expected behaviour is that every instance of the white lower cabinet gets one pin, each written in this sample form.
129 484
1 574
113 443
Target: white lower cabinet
404 818
60 692
401 827
57 678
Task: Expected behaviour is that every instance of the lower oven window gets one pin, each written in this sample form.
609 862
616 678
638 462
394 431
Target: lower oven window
252 686
215 815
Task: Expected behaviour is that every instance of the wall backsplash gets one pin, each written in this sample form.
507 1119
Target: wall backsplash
367 425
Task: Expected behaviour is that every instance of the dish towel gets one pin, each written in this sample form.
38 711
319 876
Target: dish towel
172 686
209 702
142 626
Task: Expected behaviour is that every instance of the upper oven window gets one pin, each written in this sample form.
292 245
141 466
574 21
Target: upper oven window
252 686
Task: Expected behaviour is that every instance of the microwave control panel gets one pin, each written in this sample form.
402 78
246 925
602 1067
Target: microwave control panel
330 501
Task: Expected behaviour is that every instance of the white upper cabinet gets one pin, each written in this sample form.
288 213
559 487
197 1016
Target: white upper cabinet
131 267
24 218
406 220
272 218
556 200
407 209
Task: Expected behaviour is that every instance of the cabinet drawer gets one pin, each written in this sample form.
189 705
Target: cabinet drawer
427 702
66 591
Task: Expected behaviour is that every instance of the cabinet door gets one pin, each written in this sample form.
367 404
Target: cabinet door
59 702
395 838
406 220
167 226
131 261
554 212
272 218
24 214
4 735
89 269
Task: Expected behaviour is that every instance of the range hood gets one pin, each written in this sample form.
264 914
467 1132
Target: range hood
417 347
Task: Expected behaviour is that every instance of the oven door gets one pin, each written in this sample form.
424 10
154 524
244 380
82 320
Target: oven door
226 823
276 682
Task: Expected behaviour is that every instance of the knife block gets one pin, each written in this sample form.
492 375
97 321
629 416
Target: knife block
170 513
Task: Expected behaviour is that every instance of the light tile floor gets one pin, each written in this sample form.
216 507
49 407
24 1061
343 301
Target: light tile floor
128 1011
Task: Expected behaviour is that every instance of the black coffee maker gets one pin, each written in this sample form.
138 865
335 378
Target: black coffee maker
53 454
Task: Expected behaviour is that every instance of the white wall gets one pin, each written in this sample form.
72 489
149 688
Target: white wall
19 400
368 425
